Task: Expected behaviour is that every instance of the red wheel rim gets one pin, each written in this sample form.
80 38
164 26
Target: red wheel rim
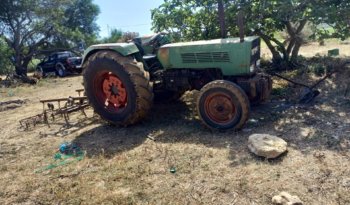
220 108
110 91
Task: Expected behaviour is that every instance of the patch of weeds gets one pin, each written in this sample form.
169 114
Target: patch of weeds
318 69
346 103
43 82
11 93
280 91
243 185
324 139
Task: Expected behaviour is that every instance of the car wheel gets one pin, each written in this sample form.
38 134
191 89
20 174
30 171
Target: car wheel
60 70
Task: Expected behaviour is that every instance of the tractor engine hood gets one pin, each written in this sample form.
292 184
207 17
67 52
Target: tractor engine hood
231 56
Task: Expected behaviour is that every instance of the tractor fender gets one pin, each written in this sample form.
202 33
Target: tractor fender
123 49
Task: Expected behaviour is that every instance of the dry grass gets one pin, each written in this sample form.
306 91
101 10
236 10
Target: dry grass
124 166
313 49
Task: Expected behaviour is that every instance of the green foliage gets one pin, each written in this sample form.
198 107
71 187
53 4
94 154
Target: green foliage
5 55
117 35
265 18
33 64
194 20
114 36
188 20
280 91
30 27
78 24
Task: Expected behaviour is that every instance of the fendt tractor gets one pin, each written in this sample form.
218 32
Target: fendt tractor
122 80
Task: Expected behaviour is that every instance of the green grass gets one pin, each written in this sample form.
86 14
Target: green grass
32 65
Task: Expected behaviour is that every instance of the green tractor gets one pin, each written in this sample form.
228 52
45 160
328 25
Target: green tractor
123 79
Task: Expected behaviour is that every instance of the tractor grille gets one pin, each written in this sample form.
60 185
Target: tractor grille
208 57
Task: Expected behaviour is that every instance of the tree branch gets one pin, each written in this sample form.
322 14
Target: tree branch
275 54
301 26
290 28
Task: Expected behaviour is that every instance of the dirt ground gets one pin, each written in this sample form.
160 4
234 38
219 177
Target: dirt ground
313 48
133 165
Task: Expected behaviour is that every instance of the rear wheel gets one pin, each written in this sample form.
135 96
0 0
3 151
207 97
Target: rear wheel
117 88
223 105
60 70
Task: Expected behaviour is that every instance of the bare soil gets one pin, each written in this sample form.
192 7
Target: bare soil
134 165
313 48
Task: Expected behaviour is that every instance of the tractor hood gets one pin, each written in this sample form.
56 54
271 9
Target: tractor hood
232 57
210 42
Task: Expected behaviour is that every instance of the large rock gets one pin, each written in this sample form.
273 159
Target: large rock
265 145
285 198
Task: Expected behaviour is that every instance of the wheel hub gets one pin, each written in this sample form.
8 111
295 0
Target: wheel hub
114 90
219 108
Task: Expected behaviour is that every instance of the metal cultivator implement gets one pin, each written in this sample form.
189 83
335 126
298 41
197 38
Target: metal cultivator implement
53 108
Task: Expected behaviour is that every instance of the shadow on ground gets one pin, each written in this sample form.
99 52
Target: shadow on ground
177 123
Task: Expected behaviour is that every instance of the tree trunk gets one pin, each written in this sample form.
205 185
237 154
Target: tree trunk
295 40
222 19
20 70
295 52
276 57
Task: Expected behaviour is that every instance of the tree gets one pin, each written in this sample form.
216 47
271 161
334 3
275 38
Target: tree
80 22
127 36
221 11
114 36
188 19
267 18
194 19
117 35
5 56
30 25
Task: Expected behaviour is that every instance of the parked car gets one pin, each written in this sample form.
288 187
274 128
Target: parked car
60 63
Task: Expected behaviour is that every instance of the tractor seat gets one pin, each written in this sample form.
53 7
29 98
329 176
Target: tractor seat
149 57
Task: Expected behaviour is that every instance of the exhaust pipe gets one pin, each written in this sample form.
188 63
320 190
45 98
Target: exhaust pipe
240 23
222 19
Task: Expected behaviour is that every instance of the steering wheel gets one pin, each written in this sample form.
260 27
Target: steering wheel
155 37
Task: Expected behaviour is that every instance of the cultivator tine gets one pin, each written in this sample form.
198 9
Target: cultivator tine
29 122
71 104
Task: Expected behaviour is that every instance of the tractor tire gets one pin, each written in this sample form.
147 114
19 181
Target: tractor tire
223 105
166 96
117 88
60 70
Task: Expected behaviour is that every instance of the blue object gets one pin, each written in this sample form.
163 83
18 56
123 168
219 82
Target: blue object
69 148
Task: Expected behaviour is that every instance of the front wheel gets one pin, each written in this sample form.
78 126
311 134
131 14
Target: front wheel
117 88
223 105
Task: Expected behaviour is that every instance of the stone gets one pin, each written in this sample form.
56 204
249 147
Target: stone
266 145
285 198
346 182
